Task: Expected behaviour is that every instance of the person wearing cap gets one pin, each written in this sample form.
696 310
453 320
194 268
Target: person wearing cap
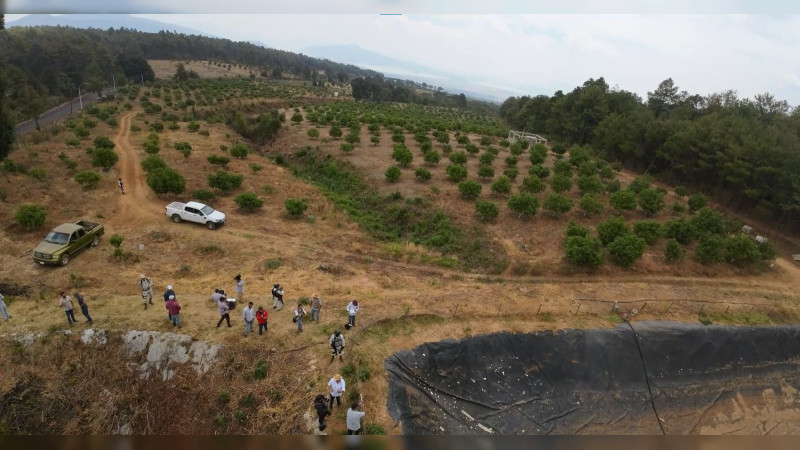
352 310
337 344
174 310
239 285
147 290
277 297
262 316
169 292
316 305
337 389
249 315
84 308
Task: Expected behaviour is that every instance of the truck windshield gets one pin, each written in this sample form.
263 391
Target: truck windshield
57 238
207 210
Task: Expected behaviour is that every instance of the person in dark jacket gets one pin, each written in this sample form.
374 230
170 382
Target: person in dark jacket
84 308
174 311
169 292
322 410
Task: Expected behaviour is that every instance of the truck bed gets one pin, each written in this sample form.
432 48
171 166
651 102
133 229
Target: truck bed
176 205
87 225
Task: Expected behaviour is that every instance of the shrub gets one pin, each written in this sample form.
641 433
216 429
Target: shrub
295 207
768 251
533 185
346 147
640 183
584 251
469 189
623 200
392 174
557 204
625 250
313 133
193 126
681 191
574 229
456 172
103 142
649 230
88 179
502 186
297 117
613 186
511 173
432 157
204 195
150 147
248 201
402 155
560 183
707 220
673 251
651 201
158 127
462 139
611 229
709 249
539 171
486 210
680 230
72 142
152 163
182 145
116 240
239 151
486 140
458 158
587 168
678 208
30 216
472 149
741 251
422 174
696 202
166 180
335 131
256 167
590 184
523 204
607 173
38 173
486 158
375 140
590 205
511 161
104 157
225 181
81 132
446 149
485 171
218 160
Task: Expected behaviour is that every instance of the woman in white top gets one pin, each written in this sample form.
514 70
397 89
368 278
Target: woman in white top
337 389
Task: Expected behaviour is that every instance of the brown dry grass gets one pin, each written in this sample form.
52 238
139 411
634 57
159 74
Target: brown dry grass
166 69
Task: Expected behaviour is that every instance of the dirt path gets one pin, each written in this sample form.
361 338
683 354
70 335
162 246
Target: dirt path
139 205
791 269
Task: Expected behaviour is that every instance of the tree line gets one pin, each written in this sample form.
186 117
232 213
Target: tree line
379 89
743 152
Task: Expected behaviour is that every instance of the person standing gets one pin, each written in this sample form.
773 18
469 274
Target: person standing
354 416
223 312
262 317
67 306
316 305
277 297
337 389
84 308
217 296
239 287
121 186
147 290
3 310
298 316
248 314
167 294
352 310
322 411
174 310
337 345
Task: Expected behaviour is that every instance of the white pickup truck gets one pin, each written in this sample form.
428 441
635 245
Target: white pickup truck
195 212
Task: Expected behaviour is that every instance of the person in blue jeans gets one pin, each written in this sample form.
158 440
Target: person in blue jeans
352 310
66 304
84 308
298 316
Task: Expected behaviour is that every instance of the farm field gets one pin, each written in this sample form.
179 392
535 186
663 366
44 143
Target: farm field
423 263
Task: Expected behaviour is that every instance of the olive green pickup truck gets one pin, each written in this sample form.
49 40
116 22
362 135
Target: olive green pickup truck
66 240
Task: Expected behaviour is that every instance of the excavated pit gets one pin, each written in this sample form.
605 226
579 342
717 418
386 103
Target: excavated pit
637 378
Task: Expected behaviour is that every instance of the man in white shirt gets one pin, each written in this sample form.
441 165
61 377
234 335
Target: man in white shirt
239 284
352 310
147 290
217 296
354 415
337 389
249 315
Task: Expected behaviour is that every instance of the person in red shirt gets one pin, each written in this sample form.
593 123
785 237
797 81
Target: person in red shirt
174 311
262 316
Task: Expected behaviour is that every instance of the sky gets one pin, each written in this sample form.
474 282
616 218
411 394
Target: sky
539 54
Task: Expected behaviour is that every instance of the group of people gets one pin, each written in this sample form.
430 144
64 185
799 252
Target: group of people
324 406
65 302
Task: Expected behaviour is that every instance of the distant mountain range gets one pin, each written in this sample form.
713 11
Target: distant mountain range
104 22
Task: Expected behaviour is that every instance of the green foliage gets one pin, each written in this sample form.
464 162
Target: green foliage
533 185
649 230
193 126
225 181
313 133
374 429
37 173
335 131
261 370
678 208
587 168
557 204
741 251
256 167
165 180
590 184
562 168
116 240
768 251
487 158
432 157
626 249
607 173
472 149
486 171
707 220
697 202
204 195
583 251
297 117
248 201
651 201
346 147
511 173
573 229
486 141
709 249
456 172
392 174
673 251
88 179
295 207
402 155
104 157
218 160
458 158
681 230
239 151
640 183
681 191
623 200
486 210
422 174
182 145
30 216
511 161
560 183
469 189
524 204
103 142
153 162
590 205
502 186
611 229
81 132
539 171
375 140
613 186
72 142
578 156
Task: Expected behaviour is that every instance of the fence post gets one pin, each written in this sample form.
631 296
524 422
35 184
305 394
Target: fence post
645 304
540 308
670 306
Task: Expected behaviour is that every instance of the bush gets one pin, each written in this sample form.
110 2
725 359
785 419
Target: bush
625 250
30 216
741 251
432 157
680 230
590 205
708 221
768 251
116 240
456 172
248 201
469 189
104 157
335 131
297 117
557 204
81 132
158 127
590 184
225 181
422 174
673 251
256 167
193 126
472 149
559 148
239 151
502 186
539 171
681 191
88 179
511 161
649 230
204 195
524 204
623 200
486 210
485 171
511 173
696 202
38 173
313 133
295 207
651 201
584 251
346 147
709 249
152 163
573 229
562 168
150 147
560 183
218 160
165 180
587 168
182 145
458 158
533 185
678 208
103 142
611 229
402 155
487 158
607 173
613 186
392 174
375 140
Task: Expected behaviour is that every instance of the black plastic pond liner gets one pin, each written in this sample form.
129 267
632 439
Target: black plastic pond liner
638 378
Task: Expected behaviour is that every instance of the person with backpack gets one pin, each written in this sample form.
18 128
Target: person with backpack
337 389
352 310
322 411
174 310
147 290
298 316
316 305
84 308
337 345
67 306
222 306
354 416
262 317
277 297
167 294
248 315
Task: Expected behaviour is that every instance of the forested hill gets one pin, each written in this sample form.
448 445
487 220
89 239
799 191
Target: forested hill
743 152
43 65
